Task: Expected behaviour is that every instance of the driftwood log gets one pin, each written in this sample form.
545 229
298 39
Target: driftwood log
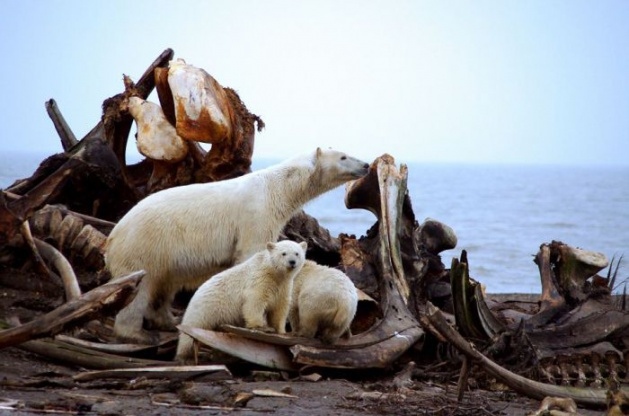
573 336
111 295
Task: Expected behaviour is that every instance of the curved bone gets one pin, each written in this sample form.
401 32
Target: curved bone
63 266
378 355
473 316
386 204
258 352
530 388
398 330
25 229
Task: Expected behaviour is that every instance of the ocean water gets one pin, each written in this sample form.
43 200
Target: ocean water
501 214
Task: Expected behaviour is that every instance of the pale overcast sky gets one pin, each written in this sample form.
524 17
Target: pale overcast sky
460 81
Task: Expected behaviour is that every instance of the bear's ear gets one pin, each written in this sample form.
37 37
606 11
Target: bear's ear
318 153
270 245
304 245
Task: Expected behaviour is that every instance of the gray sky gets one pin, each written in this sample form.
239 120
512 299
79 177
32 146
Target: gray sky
455 81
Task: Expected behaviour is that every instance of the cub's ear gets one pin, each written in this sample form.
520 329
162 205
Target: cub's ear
319 153
304 245
270 245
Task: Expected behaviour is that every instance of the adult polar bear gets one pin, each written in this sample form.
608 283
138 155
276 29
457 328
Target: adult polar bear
184 235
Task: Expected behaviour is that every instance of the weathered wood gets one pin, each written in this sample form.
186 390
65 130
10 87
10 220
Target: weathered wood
88 306
14 213
193 372
87 162
68 139
84 357
112 348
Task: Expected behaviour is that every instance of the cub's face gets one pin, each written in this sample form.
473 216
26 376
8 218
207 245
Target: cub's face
287 255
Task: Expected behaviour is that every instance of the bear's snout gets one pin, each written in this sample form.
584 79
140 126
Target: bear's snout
292 263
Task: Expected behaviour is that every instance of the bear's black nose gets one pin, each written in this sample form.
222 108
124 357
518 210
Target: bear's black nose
366 166
291 263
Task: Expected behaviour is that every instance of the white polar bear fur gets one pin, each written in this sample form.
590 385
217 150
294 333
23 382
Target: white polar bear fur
324 303
255 294
181 236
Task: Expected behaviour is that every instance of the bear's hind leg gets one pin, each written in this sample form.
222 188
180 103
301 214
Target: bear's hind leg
128 324
159 314
335 326
331 335
293 319
308 326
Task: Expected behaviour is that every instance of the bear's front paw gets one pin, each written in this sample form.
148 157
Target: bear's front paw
162 322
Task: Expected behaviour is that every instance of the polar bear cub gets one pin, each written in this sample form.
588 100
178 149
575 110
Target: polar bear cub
324 303
255 294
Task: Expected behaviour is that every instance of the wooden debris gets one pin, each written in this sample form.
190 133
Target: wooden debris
122 349
85 357
68 139
272 393
14 213
84 308
197 373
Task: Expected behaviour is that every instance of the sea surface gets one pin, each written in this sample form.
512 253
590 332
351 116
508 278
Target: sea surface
501 214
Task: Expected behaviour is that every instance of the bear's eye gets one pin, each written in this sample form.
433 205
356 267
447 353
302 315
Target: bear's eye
284 253
343 157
